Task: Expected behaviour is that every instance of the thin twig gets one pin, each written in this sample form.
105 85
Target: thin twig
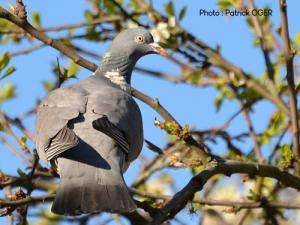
18 122
266 53
104 19
253 134
13 150
24 24
127 15
26 50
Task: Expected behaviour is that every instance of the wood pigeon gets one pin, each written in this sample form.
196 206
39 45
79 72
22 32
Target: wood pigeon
92 130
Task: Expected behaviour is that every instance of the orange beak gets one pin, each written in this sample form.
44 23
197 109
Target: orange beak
158 49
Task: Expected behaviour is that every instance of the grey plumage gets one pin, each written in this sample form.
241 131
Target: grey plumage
93 129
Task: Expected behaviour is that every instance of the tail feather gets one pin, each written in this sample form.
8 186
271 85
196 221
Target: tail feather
90 188
73 199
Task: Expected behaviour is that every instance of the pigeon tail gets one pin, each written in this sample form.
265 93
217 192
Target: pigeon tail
73 199
88 189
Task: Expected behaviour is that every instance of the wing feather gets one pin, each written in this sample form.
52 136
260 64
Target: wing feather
53 114
104 125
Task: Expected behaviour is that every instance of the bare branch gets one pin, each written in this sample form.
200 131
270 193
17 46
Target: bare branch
219 61
8 130
154 103
41 184
24 24
127 15
228 168
26 50
289 57
266 53
13 150
27 200
213 202
104 19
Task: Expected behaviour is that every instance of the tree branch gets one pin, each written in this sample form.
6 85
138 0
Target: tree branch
181 198
103 19
218 60
154 103
213 202
289 57
252 133
127 15
24 24
26 200
266 53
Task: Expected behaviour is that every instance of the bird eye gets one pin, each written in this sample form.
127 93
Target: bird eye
139 39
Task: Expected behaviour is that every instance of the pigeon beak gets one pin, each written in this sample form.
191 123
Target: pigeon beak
158 49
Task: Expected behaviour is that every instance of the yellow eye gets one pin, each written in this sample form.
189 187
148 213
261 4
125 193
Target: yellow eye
139 39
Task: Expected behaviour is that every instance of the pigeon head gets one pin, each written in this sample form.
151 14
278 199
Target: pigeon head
126 49
135 43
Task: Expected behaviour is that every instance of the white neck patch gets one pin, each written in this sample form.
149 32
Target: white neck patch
115 77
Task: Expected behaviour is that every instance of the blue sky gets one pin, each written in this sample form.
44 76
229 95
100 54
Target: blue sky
189 105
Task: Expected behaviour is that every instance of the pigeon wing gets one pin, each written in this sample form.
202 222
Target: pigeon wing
54 136
120 118
105 126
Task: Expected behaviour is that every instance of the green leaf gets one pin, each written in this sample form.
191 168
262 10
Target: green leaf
8 72
286 152
298 84
21 173
23 141
256 42
7 92
228 94
264 138
4 60
91 34
49 86
4 24
71 32
88 15
278 120
172 42
297 39
287 157
182 13
225 4
11 8
72 70
134 6
218 102
169 7
1 126
194 77
249 22
252 195
171 128
110 6
249 95
36 19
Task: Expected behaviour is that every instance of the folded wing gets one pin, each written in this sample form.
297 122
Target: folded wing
54 135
